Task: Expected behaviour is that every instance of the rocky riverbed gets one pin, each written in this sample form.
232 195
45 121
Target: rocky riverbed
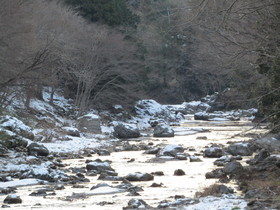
156 160
184 156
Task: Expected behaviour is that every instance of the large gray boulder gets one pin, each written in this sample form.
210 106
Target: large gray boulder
36 149
126 131
163 130
137 177
239 149
89 123
233 168
213 152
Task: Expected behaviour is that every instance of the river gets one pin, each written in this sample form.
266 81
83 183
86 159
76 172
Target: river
216 132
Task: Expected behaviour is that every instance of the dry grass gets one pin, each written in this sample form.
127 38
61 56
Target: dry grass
211 190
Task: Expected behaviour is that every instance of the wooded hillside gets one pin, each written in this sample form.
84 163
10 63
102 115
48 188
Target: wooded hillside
112 52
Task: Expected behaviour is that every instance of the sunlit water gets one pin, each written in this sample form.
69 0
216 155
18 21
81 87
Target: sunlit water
188 185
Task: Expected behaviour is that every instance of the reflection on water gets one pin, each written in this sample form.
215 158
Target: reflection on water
194 180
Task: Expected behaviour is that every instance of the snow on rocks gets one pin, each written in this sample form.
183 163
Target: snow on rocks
125 131
137 204
163 130
99 166
12 199
16 126
234 115
105 189
137 177
225 202
171 150
89 123
20 183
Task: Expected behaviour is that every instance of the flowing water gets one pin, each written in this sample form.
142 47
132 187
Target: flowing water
219 132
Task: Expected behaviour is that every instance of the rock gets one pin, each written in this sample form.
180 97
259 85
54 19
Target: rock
72 131
136 177
89 123
163 130
106 177
170 150
179 172
11 141
269 143
8 190
215 174
222 160
202 138
180 202
126 131
133 193
99 185
59 187
42 192
181 156
156 185
152 151
233 168
158 173
103 152
99 166
194 158
213 152
260 157
12 199
239 149
222 189
202 116
16 126
36 149
137 204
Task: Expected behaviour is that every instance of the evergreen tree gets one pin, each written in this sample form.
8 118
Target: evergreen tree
111 12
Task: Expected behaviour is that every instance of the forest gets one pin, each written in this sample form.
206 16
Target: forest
102 53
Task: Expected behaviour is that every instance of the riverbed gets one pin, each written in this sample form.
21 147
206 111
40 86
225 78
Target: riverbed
193 135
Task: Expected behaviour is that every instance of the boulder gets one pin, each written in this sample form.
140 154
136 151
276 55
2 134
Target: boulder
137 177
215 174
12 199
194 158
36 149
137 204
179 172
163 130
16 126
222 189
233 168
99 166
126 131
89 123
170 150
239 149
269 143
72 131
213 152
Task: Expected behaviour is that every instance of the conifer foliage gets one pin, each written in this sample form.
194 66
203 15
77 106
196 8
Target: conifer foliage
111 12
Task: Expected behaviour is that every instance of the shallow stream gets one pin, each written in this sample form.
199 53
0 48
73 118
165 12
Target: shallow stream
219 132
